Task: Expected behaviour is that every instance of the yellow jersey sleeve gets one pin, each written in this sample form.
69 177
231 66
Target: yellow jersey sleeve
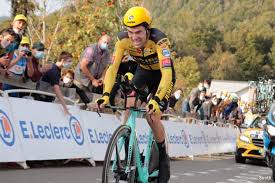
111 72
164 56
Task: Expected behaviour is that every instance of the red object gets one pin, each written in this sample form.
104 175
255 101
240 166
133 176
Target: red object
166 62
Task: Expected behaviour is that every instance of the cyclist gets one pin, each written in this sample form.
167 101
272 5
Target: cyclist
155 72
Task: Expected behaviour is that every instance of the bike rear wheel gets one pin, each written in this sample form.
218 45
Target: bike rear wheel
115 162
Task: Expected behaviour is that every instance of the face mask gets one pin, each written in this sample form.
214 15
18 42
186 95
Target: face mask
215 102
103 46
67 65
206 86
222 97
5 43
17 31
202 97
23 48
39 54
201 88
66 80
177 94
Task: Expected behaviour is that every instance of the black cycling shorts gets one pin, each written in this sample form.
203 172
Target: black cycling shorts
147 81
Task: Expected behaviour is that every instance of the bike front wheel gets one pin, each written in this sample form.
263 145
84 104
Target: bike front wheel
115 161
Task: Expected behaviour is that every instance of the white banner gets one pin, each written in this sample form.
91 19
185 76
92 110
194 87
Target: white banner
47 133
10 147
33 130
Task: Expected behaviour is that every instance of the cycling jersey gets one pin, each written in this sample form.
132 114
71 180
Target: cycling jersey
154 56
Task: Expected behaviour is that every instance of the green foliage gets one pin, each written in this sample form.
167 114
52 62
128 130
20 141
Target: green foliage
244 30
187 72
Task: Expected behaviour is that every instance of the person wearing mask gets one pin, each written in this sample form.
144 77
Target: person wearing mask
205 110
18 64
34 69
7 37
68 81
91 68
52 77
192 100
19 25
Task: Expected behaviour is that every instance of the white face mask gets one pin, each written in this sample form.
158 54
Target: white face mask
177 94
202 97
103 46
17 31
206 86
215 102
222 97
66 80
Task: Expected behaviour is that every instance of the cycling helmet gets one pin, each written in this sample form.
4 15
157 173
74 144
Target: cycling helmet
137 16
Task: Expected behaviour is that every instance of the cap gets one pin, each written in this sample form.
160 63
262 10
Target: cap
20 17
25 40
39 46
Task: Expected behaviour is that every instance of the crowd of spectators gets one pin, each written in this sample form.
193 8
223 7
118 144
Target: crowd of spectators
223 106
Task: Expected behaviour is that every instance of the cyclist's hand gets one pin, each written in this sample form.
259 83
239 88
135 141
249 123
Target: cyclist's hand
101 102
153 107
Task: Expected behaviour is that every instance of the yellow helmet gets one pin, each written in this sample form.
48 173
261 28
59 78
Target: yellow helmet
20 17
25 40
136 16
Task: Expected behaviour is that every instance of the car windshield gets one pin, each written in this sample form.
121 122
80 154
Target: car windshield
258 122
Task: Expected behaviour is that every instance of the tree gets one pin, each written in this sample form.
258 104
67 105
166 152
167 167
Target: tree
187 73
223 66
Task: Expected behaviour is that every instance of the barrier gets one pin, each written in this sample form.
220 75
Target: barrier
34 130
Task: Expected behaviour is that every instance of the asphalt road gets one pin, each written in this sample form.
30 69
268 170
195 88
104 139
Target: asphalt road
218 169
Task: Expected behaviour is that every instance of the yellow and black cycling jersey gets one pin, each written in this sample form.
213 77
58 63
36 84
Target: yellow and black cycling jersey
155 55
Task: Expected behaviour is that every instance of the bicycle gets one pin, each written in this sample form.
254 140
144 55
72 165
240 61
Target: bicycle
123 159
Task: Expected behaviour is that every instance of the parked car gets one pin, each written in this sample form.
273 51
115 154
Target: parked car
250 141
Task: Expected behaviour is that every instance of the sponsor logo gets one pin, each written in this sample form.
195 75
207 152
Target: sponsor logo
185 139
76 130
166 62
99 137
50 131
131 17
166 53
6 130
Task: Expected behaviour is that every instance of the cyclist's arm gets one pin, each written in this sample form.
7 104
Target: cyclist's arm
165 64
111 72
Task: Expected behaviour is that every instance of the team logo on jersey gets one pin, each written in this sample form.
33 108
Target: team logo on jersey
166 53
166 62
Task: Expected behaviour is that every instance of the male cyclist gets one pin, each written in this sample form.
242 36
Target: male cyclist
149 47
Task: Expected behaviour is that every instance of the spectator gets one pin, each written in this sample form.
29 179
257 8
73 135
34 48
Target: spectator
52 77
232 105
205 110
68 81
18 63
192 100
7 37
90 71
18 25
34 70
236 116
175 98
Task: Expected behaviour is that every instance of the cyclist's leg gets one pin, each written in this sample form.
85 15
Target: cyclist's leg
154 120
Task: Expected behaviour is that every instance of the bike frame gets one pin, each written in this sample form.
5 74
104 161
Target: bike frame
143 170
